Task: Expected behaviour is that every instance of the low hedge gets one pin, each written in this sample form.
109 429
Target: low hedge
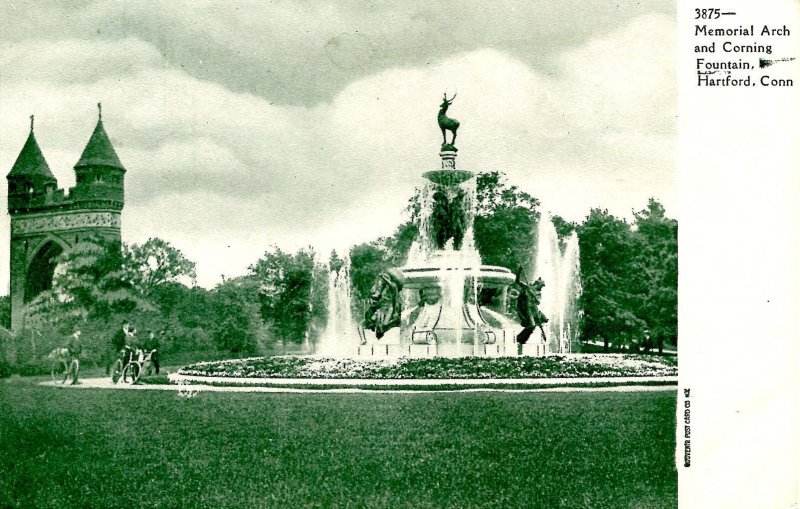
441 387
555 366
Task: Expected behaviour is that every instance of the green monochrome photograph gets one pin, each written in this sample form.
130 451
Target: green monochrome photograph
339 254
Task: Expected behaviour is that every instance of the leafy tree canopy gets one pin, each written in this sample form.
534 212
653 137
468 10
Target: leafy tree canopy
5 311
505 221
286 292
563 227
156 262
237 324
629 276
89 281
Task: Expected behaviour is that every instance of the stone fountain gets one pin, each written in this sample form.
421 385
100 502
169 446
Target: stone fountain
444 301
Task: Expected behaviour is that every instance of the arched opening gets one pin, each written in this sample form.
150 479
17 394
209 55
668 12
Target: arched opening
41 269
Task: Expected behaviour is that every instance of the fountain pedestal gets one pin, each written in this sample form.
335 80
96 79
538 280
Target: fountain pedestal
444 279
448 175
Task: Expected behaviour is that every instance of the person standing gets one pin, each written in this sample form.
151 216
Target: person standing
74 349
118 342
151 344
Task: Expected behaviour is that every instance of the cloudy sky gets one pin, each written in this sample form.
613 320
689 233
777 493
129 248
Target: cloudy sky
297 123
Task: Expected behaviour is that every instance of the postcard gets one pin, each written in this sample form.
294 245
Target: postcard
309 254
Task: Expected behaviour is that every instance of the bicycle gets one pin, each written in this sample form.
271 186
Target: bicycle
124 357
59 366
138 366
136 363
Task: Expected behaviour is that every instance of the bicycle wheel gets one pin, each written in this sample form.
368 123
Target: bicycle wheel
116 371
59 372
130 375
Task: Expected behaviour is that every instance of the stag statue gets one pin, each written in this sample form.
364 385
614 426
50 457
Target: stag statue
446 123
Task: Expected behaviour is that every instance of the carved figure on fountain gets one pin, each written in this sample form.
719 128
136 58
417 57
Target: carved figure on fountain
443 283
530 317
385 305
449 217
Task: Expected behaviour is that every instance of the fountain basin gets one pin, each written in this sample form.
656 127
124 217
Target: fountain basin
419 277
443 314
449 310
448 177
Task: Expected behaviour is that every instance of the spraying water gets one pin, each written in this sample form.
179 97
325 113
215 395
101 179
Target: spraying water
422 247
340 337
454 316
559 266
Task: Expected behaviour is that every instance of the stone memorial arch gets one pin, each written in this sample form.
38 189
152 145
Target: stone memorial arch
46 220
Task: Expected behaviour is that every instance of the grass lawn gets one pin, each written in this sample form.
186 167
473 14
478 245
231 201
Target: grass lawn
65 448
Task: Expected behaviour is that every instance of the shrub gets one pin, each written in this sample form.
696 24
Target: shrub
6 352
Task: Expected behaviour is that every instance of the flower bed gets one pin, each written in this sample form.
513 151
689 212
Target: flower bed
572 366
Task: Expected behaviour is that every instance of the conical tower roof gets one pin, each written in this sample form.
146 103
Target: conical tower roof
99 151
30 160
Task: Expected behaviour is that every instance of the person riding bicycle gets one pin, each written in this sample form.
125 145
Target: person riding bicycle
74 349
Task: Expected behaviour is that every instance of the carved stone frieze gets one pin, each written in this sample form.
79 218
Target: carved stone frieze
65 221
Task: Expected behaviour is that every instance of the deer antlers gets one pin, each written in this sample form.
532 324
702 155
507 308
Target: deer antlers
448 101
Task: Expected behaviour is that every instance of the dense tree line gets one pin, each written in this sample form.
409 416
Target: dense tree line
95 285
630 278
279 305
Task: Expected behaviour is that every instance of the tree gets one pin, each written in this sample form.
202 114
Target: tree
609 296
88 282
505 221
563 227
156 262
285 292
189 307
236 323
334 262
5 311
656 272
397 246
89 291
7 352
318 301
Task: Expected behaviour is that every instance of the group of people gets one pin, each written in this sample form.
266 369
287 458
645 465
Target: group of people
123 343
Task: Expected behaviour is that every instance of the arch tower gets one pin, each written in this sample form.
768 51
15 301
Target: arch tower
46 220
